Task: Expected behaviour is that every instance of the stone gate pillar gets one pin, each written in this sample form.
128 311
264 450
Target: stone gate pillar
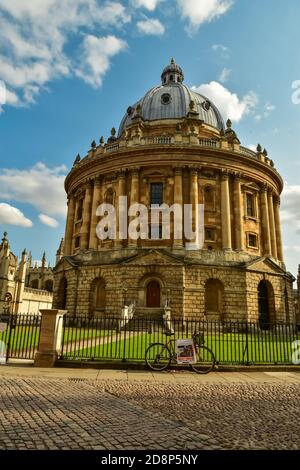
50 338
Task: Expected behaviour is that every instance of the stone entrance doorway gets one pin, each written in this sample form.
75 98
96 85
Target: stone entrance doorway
153 294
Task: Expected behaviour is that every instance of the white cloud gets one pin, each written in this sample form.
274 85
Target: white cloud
151 26
224 75
229 104
40 186
148 4
95 57
12 216
34 35
46 220
200 11
290 206
224 51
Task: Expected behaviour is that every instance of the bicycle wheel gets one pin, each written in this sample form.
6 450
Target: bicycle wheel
158 356
205 360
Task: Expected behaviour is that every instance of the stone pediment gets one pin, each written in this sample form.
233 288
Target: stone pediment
156 257
266 265
67 262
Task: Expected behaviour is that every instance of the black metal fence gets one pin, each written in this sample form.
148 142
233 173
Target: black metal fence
127 339
19 335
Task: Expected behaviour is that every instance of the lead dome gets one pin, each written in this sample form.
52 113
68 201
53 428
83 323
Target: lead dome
172 100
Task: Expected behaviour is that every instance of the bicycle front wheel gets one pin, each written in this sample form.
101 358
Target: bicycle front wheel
205 360
158 356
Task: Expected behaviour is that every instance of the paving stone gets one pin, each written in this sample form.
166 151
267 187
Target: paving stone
56 413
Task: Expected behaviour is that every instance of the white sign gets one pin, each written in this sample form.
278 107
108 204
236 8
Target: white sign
185 351
3 327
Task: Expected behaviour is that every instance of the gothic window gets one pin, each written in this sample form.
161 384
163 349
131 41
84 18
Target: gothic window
34 284
49 285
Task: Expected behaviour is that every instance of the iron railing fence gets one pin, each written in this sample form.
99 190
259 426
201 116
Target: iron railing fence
233 342
19 335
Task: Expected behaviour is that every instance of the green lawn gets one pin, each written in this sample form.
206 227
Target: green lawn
25 338
228 348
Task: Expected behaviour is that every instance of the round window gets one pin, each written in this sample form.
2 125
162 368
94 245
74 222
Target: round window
165 98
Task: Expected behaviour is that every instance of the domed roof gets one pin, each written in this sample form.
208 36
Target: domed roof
172 100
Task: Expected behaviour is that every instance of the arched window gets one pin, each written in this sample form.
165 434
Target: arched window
34 284
209 198
214 294
62 294
97 296
49 285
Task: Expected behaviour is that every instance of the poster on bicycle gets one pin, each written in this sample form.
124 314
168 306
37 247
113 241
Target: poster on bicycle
185 351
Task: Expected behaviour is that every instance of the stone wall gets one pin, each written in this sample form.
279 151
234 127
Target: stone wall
33 300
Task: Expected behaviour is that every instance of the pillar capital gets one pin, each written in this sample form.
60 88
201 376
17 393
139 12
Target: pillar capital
178 170
238 176
135 171
224 175
121 174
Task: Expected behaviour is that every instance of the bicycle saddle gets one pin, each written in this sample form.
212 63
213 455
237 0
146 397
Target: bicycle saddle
169 333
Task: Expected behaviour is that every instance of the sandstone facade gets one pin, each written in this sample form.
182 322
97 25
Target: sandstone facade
173 147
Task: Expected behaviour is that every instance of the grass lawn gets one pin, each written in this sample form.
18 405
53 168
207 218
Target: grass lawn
25 338
228 347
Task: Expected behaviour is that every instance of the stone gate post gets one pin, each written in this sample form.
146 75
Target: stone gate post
50 338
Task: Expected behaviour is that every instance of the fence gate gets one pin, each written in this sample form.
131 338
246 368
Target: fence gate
19 336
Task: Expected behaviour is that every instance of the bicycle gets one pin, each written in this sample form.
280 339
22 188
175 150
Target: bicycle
159 356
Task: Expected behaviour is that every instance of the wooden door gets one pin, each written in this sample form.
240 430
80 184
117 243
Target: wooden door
153 294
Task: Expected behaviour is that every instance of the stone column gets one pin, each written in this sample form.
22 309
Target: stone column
50 338
194 201
69 226
178 199
238 213
121 192
265 222
86 218
225 212
272 224
93 243
74 223
134 197
278 228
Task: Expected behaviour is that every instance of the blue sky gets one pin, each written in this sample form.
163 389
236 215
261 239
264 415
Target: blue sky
72 67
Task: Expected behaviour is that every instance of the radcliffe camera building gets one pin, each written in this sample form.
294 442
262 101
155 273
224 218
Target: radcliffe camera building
173 147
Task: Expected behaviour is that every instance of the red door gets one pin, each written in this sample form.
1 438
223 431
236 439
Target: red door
153 294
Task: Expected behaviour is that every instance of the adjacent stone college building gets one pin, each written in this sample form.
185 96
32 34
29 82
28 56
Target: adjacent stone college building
173 147
24 288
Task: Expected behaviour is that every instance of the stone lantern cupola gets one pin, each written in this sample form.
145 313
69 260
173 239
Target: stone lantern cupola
172 74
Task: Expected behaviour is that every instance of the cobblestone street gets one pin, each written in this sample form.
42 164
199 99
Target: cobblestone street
191 412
